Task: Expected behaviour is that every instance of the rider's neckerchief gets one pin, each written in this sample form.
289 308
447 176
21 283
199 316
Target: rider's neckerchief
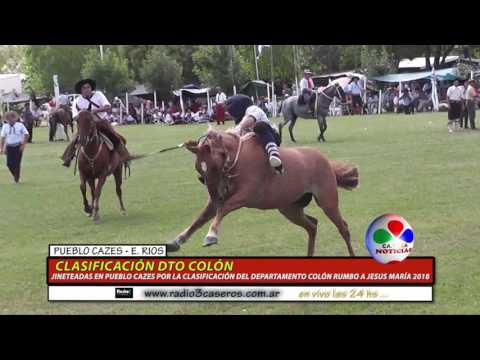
89 105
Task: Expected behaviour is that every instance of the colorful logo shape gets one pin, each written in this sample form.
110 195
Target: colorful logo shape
389 238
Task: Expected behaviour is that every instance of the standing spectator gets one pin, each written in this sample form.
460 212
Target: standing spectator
356 91
464 112
454 98
427 88
471 95
51 102
28 120
220 99
13 139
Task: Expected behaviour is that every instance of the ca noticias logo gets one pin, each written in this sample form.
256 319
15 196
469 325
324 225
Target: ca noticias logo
389 238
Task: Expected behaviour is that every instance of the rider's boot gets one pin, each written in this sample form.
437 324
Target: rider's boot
69 153
274 157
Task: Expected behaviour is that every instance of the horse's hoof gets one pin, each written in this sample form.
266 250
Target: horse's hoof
172 246
96 219
209 240
123 212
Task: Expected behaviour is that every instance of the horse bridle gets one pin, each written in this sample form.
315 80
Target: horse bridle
91 160
331 97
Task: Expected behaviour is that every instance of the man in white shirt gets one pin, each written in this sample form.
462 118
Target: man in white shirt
96 103
220 99
249 117
454 98
13 139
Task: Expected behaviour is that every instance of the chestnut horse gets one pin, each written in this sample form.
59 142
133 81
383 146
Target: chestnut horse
96 161
60 116
236 172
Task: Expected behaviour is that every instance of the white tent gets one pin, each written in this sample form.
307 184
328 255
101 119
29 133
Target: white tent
199 92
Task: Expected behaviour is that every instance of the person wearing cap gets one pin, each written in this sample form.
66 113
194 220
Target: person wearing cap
96 103
356 91
220 99
471 95
13 139
306 88
249 117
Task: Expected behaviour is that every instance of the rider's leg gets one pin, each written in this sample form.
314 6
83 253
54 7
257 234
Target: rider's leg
106 128
69 153
270 141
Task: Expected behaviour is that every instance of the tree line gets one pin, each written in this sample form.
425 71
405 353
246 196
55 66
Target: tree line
167 67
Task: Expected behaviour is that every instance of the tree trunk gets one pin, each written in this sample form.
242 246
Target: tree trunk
446 52
438 53
428 65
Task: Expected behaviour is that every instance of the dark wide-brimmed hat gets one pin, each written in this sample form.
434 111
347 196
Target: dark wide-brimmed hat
78 85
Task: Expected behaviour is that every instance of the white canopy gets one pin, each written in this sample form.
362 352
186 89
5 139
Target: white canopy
204 91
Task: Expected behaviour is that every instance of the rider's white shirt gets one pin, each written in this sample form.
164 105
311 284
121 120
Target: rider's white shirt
304 84
81 103
257 113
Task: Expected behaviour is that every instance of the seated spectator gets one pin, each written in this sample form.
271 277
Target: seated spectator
168 119
405 102
196 106
188 118
372 103
129 119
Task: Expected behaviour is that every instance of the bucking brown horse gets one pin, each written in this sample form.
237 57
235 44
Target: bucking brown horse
96 161
236 172
60 116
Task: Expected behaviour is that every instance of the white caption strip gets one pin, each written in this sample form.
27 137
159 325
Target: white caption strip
240 293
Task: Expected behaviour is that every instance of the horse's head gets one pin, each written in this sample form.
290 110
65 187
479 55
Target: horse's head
211 152
87 129
339 93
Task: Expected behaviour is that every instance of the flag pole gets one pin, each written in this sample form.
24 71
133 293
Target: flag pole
295 67
256 63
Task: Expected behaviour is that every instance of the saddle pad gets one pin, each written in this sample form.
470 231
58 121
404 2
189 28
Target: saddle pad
107 141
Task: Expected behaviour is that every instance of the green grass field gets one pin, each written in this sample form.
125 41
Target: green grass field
408 165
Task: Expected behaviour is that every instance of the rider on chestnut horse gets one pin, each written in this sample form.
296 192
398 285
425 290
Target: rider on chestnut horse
249 117
97 104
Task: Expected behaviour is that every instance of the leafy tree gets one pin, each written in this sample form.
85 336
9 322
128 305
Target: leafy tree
213 66
11 58
111 74
135 55
44 61
376 61
161 72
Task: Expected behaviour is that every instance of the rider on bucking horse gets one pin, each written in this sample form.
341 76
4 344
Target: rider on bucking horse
249 117
96 103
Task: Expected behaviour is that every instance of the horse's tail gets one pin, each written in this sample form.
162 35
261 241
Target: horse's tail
347 175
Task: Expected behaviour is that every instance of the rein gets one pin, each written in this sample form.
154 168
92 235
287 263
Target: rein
241 140
91 160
